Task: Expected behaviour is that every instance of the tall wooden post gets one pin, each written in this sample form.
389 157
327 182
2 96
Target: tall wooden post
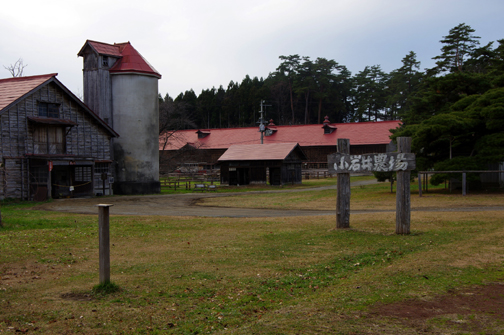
464 184
420 184
403 201
343 197
104 242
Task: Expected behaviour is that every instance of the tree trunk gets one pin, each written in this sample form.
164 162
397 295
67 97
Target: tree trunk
307 98
319 110
291 101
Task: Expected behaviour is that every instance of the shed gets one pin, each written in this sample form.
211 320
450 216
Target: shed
253 163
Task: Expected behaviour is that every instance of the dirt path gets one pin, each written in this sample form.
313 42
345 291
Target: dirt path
170 205
186 205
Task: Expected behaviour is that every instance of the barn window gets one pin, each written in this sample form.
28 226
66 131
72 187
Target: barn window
49 140
101 168
83 173
48 109
39 174
105 61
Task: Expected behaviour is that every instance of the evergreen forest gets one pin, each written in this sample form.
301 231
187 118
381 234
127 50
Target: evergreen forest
454 111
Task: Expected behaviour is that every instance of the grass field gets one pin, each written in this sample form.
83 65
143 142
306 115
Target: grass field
185 275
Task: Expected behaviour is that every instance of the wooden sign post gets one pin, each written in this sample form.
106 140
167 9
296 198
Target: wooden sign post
104 242
403 192
343 197
402 161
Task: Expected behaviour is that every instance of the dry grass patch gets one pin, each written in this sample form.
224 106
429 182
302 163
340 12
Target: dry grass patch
366 197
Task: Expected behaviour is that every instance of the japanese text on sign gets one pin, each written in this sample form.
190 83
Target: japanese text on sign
342 163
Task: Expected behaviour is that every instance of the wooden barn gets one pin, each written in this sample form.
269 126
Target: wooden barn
51 144
252 163
203 147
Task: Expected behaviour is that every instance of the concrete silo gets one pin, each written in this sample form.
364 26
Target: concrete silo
122 88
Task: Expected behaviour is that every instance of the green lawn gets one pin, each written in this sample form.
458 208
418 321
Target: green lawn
184 275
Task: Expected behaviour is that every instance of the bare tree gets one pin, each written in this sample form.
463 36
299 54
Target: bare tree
16 69
173 116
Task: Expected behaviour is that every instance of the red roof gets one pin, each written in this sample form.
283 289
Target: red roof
252 152
361 133
12 89
130 60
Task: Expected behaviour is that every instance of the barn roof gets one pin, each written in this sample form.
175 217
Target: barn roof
130 60
253 152
13 90
102 48
361 133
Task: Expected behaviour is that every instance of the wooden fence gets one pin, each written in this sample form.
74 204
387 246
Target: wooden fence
423 177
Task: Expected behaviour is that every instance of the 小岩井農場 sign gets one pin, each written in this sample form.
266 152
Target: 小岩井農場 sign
382 162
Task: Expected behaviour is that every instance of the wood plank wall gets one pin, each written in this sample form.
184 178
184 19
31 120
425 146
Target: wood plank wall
88 139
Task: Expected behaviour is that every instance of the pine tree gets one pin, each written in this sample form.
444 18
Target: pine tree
458 45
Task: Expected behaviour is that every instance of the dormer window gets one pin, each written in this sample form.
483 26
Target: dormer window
270 130
47 109
105 61
328 128
203 133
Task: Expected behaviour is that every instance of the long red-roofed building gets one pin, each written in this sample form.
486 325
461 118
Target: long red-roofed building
205 146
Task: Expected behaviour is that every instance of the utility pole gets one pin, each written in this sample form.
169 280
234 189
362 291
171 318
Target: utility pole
262 122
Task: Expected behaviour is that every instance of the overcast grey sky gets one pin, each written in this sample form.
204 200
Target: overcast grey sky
202 44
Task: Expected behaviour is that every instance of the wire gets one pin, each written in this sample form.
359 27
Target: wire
72 185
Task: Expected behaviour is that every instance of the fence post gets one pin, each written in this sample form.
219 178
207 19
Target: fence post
104 242
343 197
420 184
464 184
403 201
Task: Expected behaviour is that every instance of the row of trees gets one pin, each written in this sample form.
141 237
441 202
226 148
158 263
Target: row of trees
299 91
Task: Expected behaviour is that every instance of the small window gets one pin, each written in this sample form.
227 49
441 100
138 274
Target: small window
105 61
39 174
49 140
47 109
328 130
101 168
83 173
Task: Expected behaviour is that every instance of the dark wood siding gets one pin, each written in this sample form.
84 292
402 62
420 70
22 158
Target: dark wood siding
18 137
